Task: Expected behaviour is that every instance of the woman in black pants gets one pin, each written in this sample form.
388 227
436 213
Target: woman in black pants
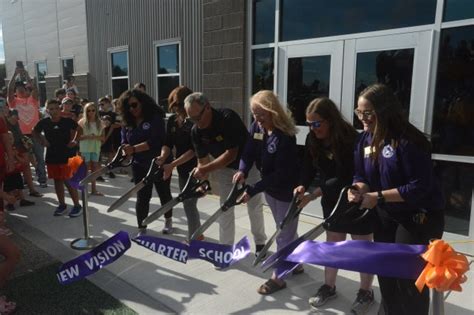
143 135
394 174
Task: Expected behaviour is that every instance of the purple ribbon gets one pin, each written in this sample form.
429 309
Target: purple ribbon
172 249
91 262
220 255
79 175
385 259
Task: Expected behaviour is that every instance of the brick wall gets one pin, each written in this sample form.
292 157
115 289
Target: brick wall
224 53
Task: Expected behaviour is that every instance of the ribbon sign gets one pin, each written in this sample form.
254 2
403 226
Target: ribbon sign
220 255
91 262
168 248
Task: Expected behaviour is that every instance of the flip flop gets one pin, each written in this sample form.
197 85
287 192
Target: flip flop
270 287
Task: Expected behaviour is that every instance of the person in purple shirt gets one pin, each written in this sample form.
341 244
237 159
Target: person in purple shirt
328 166
394 175
143 135
272 147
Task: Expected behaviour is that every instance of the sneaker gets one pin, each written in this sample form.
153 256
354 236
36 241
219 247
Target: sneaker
10 207
34 193
363 301
324 294
60 210
258 249
43 185
168 229
100 179
75 211
26 203
111 175
141 231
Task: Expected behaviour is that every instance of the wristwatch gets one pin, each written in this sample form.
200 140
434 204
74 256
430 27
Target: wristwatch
380 198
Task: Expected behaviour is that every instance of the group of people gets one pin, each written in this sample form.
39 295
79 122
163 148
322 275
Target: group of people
388 165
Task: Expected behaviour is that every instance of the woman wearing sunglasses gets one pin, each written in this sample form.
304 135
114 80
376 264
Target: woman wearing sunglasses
143 135
272 147
394 174
91 140
328 166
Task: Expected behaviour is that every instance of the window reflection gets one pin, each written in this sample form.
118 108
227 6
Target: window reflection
119 64
68 68
168 59
119 86
308 78
310 18
165 86
391 67
453 115
262 69
263 21
458 10
456 181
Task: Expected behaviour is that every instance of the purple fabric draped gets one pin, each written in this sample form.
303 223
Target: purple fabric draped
386 259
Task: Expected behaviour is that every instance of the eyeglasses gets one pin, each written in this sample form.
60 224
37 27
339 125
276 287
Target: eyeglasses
364 113
198 117
314 124
133 105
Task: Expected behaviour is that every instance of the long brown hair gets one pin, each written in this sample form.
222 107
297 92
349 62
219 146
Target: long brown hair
341 133
392 124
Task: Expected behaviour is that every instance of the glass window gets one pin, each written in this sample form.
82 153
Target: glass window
453 115
118 87
263 21
168 59
391 67
457 182
41 71
262 69
458 10
119 64
168 72
308 78
309 18
68 67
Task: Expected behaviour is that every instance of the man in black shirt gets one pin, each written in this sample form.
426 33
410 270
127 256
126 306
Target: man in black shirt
220 133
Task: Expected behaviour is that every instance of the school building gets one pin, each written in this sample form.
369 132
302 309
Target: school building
301 49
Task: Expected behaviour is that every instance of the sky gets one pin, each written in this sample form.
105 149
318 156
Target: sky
2 53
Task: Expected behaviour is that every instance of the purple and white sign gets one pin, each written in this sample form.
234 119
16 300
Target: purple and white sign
91 262
220 255
172 249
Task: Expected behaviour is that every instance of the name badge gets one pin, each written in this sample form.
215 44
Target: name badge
368 151
258 136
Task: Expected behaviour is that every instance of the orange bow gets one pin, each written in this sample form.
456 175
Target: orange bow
74 163
445 268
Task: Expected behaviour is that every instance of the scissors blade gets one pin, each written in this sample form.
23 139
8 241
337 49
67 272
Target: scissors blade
158 213
89 178
206 224
117 203
265 248
310 235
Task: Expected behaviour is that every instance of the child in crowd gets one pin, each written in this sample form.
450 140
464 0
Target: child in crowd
59 137
91 139
13 184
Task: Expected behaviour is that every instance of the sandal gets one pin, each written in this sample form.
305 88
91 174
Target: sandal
6 307
298 270
36 194
270 287
96 193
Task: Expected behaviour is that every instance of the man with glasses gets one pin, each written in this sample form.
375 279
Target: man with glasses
220 133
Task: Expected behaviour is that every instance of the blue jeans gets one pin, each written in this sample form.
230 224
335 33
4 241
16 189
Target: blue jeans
38 151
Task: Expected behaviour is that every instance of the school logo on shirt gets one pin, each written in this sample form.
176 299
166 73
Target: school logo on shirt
146 126
388 151
219 138
272 146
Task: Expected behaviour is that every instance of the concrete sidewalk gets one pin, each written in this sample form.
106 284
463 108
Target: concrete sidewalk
150 283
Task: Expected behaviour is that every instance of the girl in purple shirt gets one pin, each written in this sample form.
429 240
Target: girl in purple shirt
272 147
394 176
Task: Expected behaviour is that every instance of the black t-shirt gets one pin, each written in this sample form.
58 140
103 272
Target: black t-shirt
180 138
58 135
226 131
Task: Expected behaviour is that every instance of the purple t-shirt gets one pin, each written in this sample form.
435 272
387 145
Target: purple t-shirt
406 167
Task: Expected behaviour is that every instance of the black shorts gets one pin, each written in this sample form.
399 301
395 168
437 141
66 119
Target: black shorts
12 182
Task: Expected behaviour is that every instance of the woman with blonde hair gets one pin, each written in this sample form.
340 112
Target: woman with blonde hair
91 140
272 147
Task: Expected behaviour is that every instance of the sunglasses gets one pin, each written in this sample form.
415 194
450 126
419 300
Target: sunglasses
91 110
133 105
364 113
314 124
